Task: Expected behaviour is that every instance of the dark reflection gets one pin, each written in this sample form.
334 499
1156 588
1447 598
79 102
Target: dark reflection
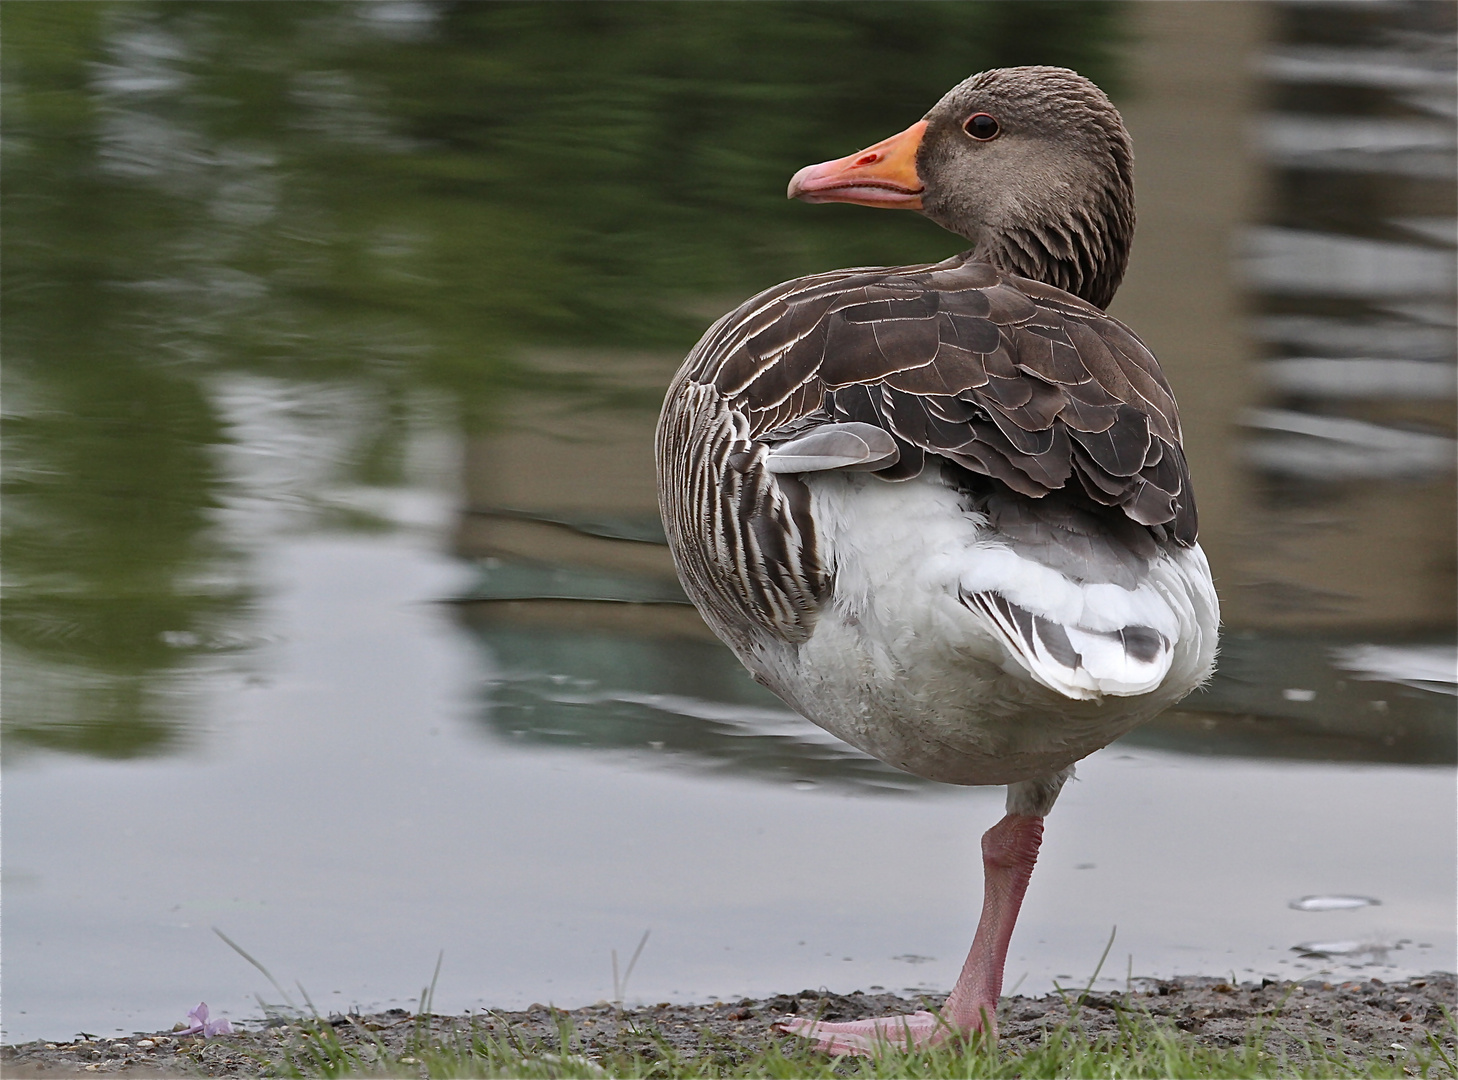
1349 510
276 228
1321 699
601 667
104 551
670 701
114 573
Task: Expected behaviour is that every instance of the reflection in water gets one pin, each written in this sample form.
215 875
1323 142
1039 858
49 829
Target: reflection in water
670 701
1350 444
605 666
116 578
1347 949
1332 903
1422 667
1287 696
375 205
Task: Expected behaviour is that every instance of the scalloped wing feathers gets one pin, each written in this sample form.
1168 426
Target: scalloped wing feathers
1006 376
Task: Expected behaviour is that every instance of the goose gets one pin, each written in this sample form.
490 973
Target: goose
943 510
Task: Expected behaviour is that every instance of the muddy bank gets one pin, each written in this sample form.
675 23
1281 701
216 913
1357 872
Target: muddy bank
1366 1020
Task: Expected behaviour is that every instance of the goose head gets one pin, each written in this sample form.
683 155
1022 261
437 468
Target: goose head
1032 165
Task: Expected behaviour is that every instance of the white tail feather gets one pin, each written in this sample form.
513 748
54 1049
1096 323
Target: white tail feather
1075 661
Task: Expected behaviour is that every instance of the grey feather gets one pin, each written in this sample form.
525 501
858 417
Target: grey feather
850 446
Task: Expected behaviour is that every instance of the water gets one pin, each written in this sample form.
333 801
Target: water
1332 903
354 808
336 614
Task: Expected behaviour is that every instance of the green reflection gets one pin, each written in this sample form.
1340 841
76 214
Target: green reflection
392 201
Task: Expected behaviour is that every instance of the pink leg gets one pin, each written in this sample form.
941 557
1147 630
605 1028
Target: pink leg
1009 850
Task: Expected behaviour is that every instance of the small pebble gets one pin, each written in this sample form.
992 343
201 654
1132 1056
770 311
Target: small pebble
145 1043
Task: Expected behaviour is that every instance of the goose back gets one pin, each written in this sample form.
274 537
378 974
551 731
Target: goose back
1003 376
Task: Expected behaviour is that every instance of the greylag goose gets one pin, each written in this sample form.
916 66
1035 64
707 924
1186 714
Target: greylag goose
943 510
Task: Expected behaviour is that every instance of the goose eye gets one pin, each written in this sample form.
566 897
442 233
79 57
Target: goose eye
982 127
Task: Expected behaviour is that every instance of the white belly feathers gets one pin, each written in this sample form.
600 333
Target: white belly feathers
944 651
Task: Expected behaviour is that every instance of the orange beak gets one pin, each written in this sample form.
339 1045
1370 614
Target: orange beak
880 175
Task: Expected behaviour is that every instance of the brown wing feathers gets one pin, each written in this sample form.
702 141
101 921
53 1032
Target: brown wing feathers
1006 376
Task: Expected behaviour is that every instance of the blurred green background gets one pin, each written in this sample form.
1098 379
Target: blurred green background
391 200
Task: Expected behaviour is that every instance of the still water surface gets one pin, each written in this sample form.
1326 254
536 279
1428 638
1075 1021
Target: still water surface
352 808
336 615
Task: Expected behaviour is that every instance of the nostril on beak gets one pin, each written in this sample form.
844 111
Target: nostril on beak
868 159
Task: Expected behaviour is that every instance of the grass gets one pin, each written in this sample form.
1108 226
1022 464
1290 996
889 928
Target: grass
1141 1047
